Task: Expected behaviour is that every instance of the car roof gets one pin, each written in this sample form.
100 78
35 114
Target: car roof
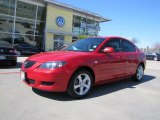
109 37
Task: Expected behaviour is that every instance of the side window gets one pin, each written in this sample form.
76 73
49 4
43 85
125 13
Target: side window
115 43
128 47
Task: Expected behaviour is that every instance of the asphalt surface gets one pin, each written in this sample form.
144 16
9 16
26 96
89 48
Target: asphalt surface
123 100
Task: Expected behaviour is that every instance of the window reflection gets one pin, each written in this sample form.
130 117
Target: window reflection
6 23
40 28
58 41
6 37
41 13
7 7
18 38
24 26
28 20
85 26
26 10
39 41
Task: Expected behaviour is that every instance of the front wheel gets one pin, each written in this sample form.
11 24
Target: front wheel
80 84
139 73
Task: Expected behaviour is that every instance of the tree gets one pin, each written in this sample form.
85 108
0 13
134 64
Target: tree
82 36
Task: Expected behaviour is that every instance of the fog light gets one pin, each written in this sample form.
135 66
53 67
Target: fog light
47 83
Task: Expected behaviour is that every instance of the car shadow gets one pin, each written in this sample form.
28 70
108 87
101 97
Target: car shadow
97 91
8 66
116 86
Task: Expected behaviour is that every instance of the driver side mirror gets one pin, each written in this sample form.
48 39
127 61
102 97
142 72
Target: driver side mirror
108 50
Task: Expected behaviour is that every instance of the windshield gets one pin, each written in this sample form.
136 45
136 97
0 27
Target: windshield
85 45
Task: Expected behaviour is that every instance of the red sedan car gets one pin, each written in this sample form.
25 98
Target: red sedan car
83 64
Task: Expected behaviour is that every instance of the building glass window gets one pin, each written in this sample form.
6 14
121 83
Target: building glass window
6 37
40 28
85 26
7 7
6 23
26 10
41 13
58 41
24 26
27 25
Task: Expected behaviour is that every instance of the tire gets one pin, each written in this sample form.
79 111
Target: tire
13 63
139 74
155 59
80 84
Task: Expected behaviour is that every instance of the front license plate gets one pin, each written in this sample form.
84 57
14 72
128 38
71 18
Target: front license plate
2 57
22 75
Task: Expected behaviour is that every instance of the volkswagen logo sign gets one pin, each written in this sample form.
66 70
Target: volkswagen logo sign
60 21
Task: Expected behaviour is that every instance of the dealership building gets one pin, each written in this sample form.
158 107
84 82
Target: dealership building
47 24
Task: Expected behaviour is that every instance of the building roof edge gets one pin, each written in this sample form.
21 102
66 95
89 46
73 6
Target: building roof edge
55 2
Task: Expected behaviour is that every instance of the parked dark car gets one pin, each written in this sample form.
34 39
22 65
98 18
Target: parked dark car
7 53
18 38
153 56
27 49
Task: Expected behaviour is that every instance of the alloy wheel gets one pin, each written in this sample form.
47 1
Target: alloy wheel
140 72
82 84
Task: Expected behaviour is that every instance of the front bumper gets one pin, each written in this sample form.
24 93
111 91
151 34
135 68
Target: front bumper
47 80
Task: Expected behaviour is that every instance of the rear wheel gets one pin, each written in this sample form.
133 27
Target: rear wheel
80 84
139 73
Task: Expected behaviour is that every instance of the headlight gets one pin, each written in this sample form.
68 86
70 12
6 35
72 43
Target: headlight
52 65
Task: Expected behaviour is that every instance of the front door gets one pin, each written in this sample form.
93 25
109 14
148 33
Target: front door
111 64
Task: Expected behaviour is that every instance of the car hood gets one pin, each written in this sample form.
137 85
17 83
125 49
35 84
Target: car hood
56 56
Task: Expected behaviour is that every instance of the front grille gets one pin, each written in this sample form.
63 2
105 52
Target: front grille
28 64
47 83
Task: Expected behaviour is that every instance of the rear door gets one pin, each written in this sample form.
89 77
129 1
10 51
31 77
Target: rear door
130 56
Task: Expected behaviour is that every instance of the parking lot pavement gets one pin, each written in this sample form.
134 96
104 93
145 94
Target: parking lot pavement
153 65
124 100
